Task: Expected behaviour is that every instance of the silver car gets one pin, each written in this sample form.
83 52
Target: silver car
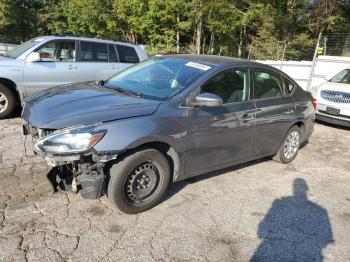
49 61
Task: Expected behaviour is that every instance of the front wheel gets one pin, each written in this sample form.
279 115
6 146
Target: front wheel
7 102
290 146
139 181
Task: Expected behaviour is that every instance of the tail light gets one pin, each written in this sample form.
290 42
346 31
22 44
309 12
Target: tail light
314 103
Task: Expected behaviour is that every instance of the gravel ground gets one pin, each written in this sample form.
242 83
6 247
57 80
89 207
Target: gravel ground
262 211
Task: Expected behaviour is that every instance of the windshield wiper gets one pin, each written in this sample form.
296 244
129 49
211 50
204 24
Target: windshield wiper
128 92
100 82
119 89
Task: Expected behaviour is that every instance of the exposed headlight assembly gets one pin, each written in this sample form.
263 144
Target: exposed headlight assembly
69 141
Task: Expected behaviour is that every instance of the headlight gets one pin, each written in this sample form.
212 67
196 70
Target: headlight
70 141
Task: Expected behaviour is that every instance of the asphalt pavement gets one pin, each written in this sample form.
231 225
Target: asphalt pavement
260 211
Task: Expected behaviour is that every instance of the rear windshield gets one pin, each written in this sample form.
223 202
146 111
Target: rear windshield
19 50
342 77
158 77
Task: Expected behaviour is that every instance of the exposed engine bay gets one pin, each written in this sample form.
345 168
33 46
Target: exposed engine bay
78 173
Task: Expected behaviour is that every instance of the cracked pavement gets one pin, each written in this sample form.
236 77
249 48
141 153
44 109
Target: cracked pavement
228 215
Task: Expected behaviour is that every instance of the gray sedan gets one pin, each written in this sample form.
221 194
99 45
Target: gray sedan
164 120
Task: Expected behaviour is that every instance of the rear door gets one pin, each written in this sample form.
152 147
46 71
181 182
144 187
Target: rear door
97 61
58 66
275 111
218 136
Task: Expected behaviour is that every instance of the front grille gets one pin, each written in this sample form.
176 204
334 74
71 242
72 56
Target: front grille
46 132
40 133
336 96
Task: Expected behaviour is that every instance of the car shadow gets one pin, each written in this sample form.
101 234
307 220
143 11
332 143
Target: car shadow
176 187
294 229
332 125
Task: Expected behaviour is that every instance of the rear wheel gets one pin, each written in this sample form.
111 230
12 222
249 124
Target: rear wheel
290 146
7 102
139 181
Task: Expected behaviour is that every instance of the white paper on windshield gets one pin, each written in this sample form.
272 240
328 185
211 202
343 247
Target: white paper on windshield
198 66
174 83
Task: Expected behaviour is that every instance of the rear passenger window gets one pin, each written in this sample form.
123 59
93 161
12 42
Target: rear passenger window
127 54
112 53
267 85
289 86
93 52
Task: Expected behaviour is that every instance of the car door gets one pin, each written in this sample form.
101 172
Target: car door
94 61
275 111
222 135
57 66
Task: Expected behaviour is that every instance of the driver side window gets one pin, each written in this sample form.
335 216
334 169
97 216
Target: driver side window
231 85
61 51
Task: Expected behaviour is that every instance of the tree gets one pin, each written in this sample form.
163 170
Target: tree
90 17
129 16
237 28
51 18
18 19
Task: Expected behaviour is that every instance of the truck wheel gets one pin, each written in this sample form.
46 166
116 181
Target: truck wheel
7 102
139 181
289 147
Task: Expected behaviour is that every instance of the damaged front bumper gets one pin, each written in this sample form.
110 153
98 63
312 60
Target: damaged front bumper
87 179
82 173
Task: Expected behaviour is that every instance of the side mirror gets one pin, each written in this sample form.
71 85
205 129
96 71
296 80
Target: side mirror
208 100
33 57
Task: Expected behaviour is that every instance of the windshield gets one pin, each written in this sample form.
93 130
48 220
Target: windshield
14 53
342 77
158 78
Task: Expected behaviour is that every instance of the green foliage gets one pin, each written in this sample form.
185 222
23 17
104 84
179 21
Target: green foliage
18 19
89 17
51 18
260 29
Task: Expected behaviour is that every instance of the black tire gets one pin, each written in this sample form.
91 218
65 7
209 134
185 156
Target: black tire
10 101
281 155
148 169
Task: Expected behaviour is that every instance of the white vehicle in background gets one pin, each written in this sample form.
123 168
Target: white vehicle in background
49 61
333 100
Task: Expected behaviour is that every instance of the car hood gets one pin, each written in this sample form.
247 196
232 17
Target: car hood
10 64
82 104
335 87
3 58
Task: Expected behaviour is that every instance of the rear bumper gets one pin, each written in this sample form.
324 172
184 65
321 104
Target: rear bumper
336 120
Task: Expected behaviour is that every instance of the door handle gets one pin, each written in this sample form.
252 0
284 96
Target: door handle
288 112
71 67
247 118
115 67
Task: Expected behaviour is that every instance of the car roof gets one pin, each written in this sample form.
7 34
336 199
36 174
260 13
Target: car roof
219 61
73 37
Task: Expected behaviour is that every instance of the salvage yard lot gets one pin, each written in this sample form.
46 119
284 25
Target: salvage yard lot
231 215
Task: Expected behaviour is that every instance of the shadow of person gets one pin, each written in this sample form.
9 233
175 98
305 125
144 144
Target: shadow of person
294 229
